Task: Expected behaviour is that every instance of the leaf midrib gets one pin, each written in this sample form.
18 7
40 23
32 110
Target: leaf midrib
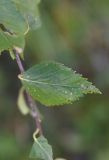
37 82
43 149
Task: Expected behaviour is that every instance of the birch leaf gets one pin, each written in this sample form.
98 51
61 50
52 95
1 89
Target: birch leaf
52 84
41 150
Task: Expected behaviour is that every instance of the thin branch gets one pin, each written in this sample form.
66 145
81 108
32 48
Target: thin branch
30 101
20 65
34 113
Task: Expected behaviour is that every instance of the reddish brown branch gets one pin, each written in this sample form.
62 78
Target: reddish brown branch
30 101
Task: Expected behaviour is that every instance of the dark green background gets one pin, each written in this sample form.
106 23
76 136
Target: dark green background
76 33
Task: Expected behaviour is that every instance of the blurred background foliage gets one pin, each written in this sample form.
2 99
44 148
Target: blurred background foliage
76 33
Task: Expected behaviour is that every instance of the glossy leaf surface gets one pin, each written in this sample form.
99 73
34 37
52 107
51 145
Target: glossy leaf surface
54 84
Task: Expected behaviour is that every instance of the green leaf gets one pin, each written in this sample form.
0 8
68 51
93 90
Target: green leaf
11 18
22 105
8 42
54 84
16 16
30 11
41 150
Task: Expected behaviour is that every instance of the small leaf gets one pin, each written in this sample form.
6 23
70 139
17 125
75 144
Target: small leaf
30 11
41 149
11 18
21 103
16 18
8 42
54 84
